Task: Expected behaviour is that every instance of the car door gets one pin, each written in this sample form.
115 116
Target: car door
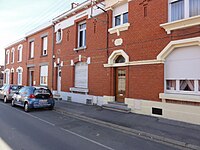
18 97
24 96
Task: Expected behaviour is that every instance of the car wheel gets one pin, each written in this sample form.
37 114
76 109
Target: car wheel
5 100
13 103
26 107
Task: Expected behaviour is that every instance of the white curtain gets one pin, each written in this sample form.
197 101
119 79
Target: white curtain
177 10
194 7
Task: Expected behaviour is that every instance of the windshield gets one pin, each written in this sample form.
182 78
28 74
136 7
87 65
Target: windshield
42 93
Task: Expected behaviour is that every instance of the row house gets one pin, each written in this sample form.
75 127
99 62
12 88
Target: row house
143 53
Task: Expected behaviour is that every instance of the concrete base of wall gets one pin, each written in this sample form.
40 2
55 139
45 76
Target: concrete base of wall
179 112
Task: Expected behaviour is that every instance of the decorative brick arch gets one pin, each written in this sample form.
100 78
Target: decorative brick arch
114 56
19 68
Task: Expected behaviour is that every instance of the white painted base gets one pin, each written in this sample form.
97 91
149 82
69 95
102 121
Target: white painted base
82 98
179 112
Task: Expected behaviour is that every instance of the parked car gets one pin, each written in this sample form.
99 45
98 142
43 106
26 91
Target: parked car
7 91
31 97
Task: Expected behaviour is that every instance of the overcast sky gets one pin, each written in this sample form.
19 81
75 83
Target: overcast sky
20 16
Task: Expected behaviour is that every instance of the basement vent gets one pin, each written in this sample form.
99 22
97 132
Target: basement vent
89 101
156 111
69 98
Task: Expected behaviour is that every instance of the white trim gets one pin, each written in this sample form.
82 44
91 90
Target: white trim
19 68
180 97
61 36
115 54
20 48
176 44
12 70
180 24
118 29
135 63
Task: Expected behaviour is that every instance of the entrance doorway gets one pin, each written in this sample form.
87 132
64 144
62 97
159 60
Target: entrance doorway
120 85
31 76
12 76
59 80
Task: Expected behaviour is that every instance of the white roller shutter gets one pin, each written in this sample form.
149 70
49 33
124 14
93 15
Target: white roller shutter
183 63
81 75
44 71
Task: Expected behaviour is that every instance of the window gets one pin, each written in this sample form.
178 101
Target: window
19 77
182 73
194 7
81 34
44 75
120 14
44 45
20 47
171 84
7 75
31 47
12 55
180 9
59 36
7 56
81 75
120 59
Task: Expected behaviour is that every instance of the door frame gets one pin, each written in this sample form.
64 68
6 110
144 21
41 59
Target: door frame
116 83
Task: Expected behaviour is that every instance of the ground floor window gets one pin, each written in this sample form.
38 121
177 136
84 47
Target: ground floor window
7 77
19 77
44 75
182 70
81 75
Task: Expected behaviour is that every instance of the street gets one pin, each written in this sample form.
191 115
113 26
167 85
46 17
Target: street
50 130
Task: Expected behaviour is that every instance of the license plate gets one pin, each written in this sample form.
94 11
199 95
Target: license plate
42 101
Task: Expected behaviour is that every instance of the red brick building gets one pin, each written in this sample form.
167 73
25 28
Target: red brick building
142 53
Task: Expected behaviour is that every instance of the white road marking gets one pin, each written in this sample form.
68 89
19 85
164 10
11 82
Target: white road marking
33 116
4 145
85 138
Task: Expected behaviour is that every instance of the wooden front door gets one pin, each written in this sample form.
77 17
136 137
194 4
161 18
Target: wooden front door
120 85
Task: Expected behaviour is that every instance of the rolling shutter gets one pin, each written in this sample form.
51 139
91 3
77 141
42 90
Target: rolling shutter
183 63
81 75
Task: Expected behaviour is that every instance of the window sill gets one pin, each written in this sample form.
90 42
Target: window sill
81 90
19 61
43 56
58 42
180 97
180 24
80 48
119 28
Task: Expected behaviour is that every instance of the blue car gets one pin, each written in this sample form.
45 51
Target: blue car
31 97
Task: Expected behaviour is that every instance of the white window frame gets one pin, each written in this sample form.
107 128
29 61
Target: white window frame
20 48
59 34
44 76
32 43
120 11
186 9
13 55
7 56
19 77
84 35
7 76
44 45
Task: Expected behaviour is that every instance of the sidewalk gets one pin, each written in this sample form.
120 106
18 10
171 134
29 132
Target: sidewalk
178 132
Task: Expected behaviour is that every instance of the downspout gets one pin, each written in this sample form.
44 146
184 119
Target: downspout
52 57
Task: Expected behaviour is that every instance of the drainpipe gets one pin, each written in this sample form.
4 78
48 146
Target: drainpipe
52 84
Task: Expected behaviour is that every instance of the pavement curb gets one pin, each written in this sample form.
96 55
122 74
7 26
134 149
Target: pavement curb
130 131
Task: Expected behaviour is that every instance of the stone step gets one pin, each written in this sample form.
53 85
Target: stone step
117 103
116 107
57 97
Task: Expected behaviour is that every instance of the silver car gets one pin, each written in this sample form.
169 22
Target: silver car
7 91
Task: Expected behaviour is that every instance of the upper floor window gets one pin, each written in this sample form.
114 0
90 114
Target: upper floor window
120 15
44 45
31 47
7 56
82 34
20 47
12 55
180 9
59 36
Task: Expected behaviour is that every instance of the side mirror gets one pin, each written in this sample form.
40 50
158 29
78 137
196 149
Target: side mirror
17 93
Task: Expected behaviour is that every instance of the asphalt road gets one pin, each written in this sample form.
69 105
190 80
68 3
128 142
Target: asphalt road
49 130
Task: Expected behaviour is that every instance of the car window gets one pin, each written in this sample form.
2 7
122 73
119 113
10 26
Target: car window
7 87
42 91
22 90
3 87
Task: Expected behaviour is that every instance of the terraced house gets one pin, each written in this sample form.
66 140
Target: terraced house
144 54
